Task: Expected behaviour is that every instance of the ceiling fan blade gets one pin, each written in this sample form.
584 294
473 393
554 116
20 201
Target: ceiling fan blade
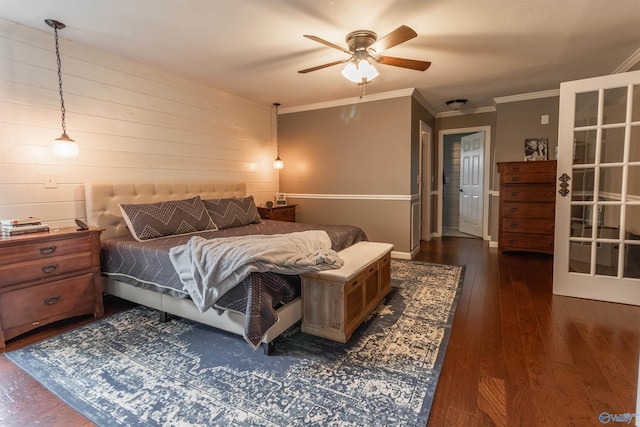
319 67
412 64
394 38
326 43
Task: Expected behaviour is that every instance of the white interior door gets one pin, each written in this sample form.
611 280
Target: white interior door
597 237
472 183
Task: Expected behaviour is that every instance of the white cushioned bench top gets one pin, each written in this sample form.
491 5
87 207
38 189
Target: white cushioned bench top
356 258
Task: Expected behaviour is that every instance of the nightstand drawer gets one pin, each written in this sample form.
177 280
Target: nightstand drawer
45 249
284 215
45 303
278 213
29 271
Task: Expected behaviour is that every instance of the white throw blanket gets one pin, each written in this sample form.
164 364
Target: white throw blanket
209 268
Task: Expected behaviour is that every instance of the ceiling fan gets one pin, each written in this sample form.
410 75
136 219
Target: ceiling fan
363 46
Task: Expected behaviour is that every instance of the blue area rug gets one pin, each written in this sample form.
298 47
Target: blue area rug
131 370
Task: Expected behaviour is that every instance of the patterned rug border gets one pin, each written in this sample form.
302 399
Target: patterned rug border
100 417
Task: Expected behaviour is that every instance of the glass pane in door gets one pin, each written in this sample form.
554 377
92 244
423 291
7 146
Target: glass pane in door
614 105
601 134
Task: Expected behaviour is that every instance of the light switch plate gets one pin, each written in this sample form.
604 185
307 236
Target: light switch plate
49 181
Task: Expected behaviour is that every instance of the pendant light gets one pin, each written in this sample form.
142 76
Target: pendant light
63 146
277 163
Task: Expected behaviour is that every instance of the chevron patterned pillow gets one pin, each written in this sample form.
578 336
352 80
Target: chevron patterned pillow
232 212
171 218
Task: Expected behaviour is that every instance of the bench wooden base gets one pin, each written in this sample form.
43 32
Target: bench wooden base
336 302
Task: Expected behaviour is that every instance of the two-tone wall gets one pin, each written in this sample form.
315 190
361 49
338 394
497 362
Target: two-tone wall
354 164
131 122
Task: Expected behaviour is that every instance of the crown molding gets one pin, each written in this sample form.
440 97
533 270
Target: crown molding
628 63
423 101
348 101
527 96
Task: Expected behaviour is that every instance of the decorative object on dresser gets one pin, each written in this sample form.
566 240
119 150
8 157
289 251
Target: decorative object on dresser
278 213
527 206
48 276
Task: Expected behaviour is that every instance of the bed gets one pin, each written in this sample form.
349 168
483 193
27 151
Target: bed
141 271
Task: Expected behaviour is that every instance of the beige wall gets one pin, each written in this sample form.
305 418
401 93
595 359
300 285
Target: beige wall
517 121
131 122
511 124
354 164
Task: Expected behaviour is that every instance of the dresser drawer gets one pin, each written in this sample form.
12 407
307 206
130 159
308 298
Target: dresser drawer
529 210
527 242
41 304
525 193
45 268
33 251
529 168
530 178
527 226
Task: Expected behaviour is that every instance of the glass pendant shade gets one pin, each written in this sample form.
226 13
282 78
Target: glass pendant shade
65 147
278 163
360 71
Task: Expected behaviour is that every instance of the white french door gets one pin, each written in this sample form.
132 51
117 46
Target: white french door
597 233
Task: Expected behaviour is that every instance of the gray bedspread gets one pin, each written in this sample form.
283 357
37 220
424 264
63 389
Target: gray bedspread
147 265
209 268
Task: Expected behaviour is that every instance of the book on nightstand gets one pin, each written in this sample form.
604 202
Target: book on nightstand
30 220
14 227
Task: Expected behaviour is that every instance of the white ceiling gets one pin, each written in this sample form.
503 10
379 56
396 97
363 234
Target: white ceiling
479 49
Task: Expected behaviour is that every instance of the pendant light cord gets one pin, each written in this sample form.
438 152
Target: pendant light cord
62 110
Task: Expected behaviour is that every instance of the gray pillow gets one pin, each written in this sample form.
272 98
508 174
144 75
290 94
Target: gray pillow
171 218
232 212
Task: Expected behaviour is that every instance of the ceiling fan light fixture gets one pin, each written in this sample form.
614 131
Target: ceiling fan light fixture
456 104
360 71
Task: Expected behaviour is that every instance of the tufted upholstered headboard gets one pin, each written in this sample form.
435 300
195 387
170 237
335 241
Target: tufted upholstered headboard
103 199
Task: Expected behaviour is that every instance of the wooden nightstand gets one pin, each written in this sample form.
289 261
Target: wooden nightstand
278 213
45 277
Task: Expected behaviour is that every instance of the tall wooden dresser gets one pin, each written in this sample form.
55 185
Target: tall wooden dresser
527 206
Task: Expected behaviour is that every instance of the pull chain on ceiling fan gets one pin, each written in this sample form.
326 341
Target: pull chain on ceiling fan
364 47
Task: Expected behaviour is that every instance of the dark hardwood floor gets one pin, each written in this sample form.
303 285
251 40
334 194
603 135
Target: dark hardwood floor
517 355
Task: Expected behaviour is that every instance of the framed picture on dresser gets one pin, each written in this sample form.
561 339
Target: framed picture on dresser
536 149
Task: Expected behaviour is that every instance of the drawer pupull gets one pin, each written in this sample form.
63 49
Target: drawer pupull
515 178
52 300
49 268
515 193
514 241
514 209
48 250
514 225
515 169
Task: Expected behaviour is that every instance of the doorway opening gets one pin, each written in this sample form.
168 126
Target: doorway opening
463 182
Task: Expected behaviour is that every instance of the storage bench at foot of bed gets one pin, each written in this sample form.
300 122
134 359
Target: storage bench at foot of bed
336 302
